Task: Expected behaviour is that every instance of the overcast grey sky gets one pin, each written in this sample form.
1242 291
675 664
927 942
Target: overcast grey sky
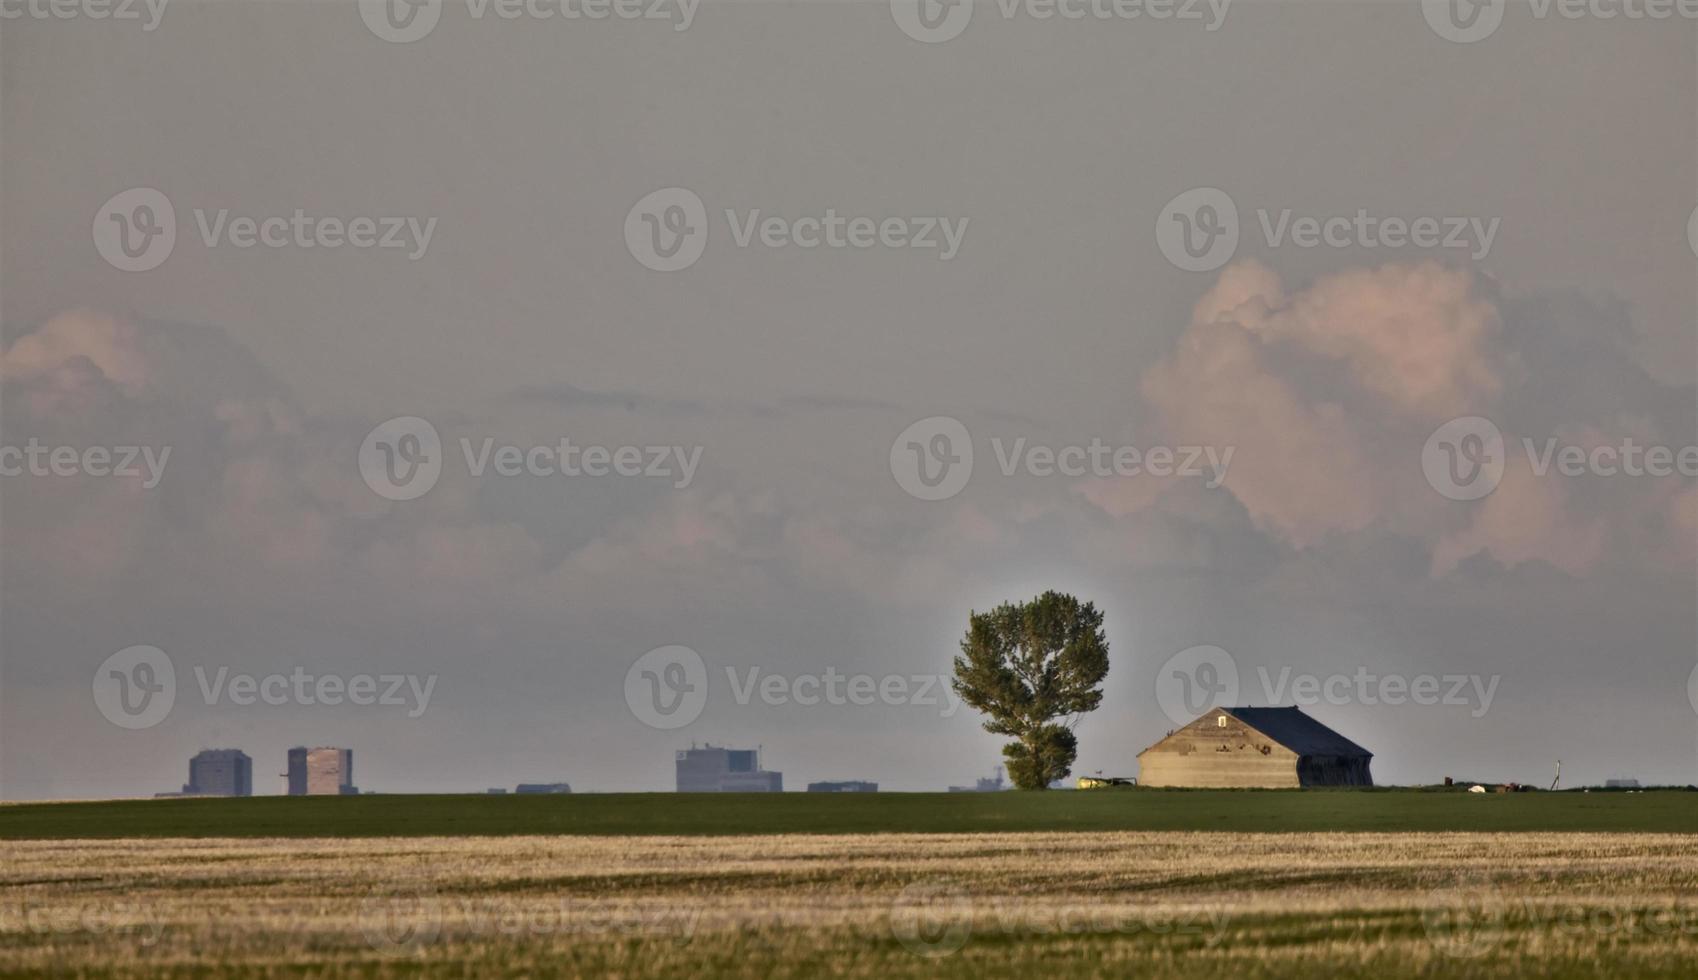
1036 287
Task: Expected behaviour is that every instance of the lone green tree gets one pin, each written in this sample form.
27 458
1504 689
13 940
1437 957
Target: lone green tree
1026 665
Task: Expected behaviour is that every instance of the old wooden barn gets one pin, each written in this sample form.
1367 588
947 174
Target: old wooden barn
1273 748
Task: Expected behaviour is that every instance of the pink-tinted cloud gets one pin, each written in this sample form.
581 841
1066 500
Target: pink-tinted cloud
1329 391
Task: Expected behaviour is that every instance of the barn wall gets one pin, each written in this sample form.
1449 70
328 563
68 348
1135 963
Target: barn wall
1333 771
1206 755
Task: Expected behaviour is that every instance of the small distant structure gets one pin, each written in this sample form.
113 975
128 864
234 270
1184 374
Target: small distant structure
1621 784
533 789
218 772
1502 788
715 769
1245 748
496 791
847 786
992 784
322 771
1104 782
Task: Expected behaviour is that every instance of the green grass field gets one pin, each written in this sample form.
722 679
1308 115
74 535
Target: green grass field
854 813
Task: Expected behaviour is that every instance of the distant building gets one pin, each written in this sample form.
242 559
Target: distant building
712 769
848 786
1621 784
1255 748
530 788
1105 782
321 772
990 784
495 791
219 772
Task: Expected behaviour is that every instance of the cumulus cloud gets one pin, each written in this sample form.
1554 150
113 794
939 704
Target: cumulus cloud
1312 387
1328 392
257 495
1526 518
262 498
67 363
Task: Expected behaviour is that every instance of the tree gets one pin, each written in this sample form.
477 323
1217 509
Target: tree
1027 665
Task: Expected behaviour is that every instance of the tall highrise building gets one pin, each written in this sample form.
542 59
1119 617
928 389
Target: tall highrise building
220 772
712 769
321 772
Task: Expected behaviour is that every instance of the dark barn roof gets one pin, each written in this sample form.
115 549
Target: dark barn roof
1297 731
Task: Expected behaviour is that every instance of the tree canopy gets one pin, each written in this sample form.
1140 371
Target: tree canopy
1026 665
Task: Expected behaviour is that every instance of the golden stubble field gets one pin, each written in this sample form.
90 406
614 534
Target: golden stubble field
1123 904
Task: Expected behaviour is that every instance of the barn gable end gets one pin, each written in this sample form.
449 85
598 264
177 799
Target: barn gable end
1272 748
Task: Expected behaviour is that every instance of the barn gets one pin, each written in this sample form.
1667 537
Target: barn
1271 748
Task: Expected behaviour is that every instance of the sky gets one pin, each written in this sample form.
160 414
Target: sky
1313 342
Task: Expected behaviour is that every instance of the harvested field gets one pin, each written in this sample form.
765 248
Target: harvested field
1113 904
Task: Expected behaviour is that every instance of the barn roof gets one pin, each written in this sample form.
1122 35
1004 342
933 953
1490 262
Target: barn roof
1297 731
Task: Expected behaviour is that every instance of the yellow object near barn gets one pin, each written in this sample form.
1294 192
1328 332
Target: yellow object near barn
1103 782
